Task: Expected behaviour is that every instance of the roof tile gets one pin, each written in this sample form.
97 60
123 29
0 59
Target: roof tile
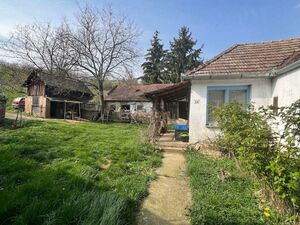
134 93
251 58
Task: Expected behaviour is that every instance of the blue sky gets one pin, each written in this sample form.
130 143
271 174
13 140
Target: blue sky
215 23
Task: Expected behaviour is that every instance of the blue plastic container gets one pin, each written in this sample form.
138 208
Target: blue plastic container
181 127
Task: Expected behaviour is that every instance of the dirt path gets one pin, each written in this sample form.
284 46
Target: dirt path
12 116
169 195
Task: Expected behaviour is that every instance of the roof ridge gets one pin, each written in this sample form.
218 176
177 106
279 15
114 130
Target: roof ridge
266 42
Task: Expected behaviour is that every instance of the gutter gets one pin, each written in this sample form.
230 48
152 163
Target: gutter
288 68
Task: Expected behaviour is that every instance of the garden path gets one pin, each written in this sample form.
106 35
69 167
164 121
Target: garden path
169 195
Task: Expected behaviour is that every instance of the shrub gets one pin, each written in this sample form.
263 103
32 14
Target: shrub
272 156
247 135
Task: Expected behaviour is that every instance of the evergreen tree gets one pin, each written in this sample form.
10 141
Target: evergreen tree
154 64
182 56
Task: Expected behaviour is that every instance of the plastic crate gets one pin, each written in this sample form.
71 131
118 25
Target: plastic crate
182 127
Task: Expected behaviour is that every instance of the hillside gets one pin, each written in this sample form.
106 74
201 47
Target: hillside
11 81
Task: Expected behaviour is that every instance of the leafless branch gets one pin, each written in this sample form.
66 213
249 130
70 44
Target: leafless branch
105 43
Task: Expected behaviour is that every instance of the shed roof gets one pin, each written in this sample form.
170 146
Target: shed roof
171 93
57 81
251 58
134 92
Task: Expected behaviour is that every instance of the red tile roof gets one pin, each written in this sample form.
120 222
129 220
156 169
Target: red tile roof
134 93
251 58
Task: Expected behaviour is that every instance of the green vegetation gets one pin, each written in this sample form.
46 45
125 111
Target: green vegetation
12 78
166 66
83 173
154 61
11 94
271 156
217 202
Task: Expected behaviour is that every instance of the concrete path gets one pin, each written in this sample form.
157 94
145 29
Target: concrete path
169 195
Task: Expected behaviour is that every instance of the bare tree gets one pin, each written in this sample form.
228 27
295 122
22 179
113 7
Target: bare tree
128 77
105 44
41 46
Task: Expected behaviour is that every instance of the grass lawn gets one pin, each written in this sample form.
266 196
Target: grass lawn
86 173
231 202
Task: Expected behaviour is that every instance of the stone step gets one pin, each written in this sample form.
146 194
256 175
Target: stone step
173 149
170 132
168 135
179 144
166 139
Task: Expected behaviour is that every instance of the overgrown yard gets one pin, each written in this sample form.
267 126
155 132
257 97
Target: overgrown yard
84 173
231 202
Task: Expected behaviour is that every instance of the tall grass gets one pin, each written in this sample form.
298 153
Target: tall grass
52 173
231 202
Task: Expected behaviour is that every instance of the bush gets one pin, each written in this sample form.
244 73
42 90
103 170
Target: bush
272 156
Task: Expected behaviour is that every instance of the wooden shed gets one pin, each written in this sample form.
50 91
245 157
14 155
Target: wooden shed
54 96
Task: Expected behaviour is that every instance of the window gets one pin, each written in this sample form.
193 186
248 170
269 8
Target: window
217 96
35 100
140 107
112 107
125 108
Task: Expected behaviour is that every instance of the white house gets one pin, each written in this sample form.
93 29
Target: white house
263 73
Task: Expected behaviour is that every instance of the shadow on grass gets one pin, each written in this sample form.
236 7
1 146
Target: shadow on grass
36 188
34 194
8 123
147 217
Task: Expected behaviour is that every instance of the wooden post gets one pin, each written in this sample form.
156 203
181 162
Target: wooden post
177 109
188 99
79 110
65 108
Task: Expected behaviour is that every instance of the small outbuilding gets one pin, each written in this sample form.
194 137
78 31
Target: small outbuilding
54 96
125 103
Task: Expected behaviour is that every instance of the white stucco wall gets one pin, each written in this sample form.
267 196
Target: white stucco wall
287 87
260 95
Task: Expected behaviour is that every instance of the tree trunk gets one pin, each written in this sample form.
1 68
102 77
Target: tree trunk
101 100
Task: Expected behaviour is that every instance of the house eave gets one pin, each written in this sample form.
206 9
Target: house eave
256 75
287 68
227 76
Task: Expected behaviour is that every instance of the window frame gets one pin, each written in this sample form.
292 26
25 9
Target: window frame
35 101
226 90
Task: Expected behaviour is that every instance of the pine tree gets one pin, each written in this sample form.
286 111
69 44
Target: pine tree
182 56
154 64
